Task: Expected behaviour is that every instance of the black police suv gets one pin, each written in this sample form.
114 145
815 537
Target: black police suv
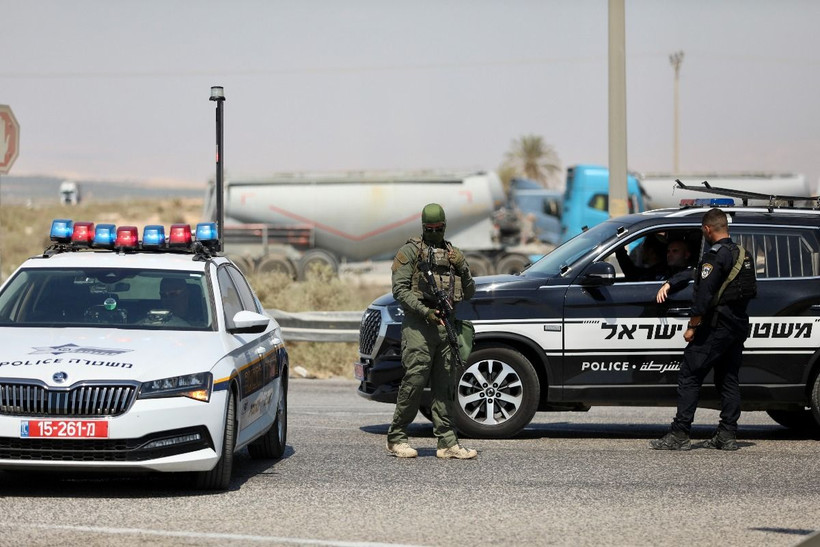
573 331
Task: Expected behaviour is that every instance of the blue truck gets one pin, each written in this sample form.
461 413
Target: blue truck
586 199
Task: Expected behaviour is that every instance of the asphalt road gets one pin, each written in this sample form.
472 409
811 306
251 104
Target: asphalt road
568 479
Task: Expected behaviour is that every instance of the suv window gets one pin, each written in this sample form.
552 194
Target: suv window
781 252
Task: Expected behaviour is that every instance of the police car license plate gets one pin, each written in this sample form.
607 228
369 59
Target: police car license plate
64 429
358 371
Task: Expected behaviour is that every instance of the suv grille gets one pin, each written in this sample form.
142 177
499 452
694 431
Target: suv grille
369 331
85 400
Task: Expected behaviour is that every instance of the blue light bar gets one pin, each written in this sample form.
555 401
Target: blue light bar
61 230
206 231
153 236
105 235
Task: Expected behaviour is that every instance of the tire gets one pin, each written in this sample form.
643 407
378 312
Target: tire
314 260
277 264
801 420
511 264
427 412
807 420
492 375
272 444
219 478
479 264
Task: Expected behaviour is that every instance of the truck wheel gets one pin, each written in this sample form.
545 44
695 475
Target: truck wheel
511 264
497 394
277 264
479 264
316 260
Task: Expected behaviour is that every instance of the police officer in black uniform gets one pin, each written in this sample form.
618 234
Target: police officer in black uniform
715 334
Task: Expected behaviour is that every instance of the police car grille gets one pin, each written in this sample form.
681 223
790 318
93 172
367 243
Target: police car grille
369 331
36 400
102 450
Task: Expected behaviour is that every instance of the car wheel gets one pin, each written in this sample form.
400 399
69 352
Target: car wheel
219 478
427 412
497 394
801 420
271 445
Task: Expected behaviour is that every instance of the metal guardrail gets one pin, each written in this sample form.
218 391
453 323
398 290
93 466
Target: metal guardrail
319 326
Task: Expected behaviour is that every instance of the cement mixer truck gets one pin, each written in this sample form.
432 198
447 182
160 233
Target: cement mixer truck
291 223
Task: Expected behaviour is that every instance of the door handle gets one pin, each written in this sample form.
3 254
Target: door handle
679 312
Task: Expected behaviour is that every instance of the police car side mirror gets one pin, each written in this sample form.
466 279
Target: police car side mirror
248 322
598 274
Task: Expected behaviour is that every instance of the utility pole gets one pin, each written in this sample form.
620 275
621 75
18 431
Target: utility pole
618 196
676 59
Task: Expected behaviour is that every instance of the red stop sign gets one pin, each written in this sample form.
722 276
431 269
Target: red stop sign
9 138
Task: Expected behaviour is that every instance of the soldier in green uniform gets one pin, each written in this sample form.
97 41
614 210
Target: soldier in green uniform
425 352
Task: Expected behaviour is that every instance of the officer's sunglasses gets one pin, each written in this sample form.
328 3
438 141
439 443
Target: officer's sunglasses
434 227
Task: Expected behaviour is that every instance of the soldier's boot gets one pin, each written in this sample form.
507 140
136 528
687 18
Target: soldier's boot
722 440
402 450
672 441
457 452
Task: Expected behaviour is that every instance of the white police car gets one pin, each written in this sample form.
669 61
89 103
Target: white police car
150 355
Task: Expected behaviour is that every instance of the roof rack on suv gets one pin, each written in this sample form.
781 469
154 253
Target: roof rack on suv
774 200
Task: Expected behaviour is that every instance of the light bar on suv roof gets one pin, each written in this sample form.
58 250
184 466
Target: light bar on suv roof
707 202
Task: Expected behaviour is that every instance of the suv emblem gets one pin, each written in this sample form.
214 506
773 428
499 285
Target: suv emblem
60 377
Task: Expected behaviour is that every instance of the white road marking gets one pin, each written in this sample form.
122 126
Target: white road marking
237 537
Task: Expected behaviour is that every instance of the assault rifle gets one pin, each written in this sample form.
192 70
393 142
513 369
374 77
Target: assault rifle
445 307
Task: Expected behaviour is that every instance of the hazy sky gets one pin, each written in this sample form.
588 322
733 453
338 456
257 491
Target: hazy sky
113 89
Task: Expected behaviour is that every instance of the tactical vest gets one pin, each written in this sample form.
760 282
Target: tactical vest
741 283
442 269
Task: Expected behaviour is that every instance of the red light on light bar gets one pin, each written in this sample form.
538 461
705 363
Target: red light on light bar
83 233
127 237
180 235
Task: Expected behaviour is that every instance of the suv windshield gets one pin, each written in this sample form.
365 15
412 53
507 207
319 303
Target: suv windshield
573 250
121 298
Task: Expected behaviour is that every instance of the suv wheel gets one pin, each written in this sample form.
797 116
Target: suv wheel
801 420
497 394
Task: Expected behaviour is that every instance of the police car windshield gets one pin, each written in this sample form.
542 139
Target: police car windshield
575 249
108 298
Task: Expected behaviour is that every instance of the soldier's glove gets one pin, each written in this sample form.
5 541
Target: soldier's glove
457 260
432 316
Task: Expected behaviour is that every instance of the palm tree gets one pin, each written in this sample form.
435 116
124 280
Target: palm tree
534 159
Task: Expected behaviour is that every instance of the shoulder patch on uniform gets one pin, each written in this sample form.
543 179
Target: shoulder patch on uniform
400 260
706 269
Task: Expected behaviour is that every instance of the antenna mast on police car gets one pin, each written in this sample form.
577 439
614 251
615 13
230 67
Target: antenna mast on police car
218 95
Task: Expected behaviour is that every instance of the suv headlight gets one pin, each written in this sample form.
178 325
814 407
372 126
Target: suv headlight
196 386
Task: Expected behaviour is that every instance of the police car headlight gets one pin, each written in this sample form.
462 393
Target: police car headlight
195 386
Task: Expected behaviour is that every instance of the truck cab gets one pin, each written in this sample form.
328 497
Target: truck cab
586 198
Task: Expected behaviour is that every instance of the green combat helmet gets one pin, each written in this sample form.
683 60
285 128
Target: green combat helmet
433 223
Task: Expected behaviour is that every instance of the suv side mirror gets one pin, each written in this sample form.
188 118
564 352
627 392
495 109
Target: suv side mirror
598 274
